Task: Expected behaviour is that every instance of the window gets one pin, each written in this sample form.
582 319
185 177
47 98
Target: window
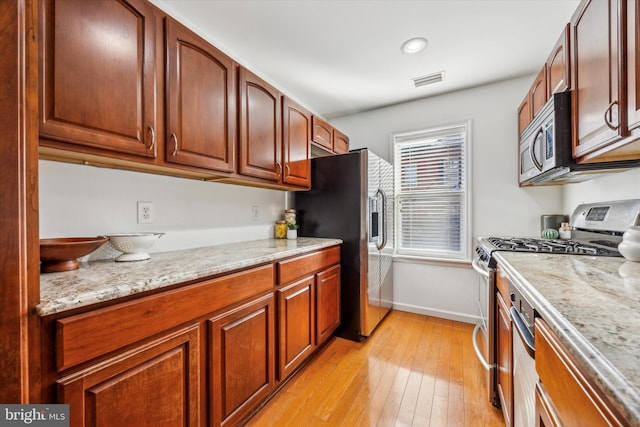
432 193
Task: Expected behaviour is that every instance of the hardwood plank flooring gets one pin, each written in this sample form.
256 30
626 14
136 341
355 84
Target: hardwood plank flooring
413 371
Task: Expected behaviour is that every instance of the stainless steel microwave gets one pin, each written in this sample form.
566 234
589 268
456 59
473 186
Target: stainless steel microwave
546 148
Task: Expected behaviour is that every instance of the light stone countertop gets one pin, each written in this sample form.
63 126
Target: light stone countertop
98 281
593 305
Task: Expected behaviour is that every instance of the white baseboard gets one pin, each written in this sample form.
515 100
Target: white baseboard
442 314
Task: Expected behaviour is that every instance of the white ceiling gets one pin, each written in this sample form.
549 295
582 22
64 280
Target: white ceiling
339 57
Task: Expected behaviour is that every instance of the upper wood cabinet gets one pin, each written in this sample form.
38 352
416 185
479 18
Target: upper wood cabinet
599 100
296 148
260 141
98 75
322 133
327 138
340 142
558 65
201 102
538 91
524 114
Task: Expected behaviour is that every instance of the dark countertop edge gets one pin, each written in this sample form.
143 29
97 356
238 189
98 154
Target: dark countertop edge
60 306
605 374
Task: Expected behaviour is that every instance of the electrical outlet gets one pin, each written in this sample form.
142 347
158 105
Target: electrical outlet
255 213
145 212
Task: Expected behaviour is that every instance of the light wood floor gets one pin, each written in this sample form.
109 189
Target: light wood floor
413 371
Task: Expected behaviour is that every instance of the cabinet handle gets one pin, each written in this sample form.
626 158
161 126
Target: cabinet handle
279 173
153 138
174 138
606 113
287 170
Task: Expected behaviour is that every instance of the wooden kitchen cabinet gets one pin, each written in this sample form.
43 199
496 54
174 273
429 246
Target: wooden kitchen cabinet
524 114
296 324
322 134
98 76
558 65
327 303
156 384
201 102
504 347
296 140
242 343
568 397
538 91
340 142
260 137
599 100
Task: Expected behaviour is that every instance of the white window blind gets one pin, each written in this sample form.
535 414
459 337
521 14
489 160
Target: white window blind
431 183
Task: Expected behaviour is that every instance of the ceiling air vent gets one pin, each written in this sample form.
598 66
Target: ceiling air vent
429 79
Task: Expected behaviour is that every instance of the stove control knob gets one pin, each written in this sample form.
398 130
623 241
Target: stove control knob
512 297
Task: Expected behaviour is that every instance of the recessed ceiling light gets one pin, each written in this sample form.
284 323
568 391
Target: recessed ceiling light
414 45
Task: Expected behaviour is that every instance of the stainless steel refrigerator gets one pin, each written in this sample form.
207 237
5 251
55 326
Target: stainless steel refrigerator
351 198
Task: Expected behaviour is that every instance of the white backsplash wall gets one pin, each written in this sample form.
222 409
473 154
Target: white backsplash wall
78 201
499 207
618 186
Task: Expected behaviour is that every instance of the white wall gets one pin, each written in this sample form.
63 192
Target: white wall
499 206
618 186
77 200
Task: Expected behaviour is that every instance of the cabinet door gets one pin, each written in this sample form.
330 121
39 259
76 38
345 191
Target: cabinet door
558 65
504 358
260 128
599 103
327 303
633 74
340 142
155 385
539 91
545 413
296 325
524 114
97 75
322 133
242 360
201 102
296 149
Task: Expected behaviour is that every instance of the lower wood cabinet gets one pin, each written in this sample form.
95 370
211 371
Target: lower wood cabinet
157 384
207 353
327 303
242 371
296 324
504 359
566 395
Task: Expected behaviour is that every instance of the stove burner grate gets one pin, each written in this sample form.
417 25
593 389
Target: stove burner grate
551 246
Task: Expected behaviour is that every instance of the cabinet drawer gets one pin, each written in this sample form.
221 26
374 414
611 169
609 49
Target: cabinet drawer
84 336
295 268
576 400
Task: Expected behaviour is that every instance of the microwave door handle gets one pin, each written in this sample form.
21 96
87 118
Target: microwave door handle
533 150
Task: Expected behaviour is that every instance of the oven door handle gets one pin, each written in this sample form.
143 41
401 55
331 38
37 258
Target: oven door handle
479 355
476 266
523 332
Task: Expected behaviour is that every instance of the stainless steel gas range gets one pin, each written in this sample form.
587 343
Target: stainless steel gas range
597 229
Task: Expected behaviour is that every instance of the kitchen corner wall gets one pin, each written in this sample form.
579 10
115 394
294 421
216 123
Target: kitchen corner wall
78 200
499 207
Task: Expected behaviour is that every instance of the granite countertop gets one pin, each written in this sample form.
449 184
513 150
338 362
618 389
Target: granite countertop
593 305
98 281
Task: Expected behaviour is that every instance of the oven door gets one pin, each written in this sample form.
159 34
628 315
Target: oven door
486 325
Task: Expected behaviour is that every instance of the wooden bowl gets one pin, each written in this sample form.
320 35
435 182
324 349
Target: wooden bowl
62 254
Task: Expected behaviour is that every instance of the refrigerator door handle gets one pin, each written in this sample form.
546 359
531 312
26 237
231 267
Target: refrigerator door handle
383 211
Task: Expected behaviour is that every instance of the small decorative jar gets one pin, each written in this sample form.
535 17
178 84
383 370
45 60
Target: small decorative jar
565 231
290 216
281 229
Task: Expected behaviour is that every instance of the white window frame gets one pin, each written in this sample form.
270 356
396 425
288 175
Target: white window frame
464 254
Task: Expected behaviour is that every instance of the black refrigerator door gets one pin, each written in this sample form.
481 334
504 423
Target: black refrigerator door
335 207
